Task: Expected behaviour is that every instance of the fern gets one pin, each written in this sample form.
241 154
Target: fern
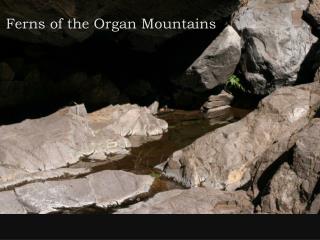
234 82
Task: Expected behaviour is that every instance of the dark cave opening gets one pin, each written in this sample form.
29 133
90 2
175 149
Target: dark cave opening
100 71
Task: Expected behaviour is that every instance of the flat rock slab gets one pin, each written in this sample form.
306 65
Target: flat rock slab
193 201
60 173
222 99
112 188
9 204
104 189
231 156
52 196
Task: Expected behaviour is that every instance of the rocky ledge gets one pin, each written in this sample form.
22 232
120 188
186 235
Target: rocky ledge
102 190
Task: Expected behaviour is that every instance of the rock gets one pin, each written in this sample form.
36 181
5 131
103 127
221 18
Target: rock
193 201
306 160
61 139
52 196
314 12
128 120
112 188
220 100
315 206
104 189
105 142
9 204
225 159
218 108
154 108
216 64
60 173
223 113
44 144
284 193
317 76
6 73
273 33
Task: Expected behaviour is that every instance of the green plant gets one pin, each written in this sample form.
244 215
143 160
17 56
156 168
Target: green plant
235 83
155 174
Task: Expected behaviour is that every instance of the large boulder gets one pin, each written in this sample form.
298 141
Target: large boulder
193 201
276 42
104 189
228 157
216 64
293 187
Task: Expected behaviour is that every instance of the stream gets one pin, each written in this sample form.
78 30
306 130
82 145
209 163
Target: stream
184 128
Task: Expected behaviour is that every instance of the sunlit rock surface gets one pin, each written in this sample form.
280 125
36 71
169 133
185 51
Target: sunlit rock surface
193 201
231 156
104 189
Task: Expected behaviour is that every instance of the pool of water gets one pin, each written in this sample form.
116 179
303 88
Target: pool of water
184 128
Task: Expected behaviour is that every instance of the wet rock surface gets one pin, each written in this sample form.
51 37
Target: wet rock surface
193 201
225 159
272 32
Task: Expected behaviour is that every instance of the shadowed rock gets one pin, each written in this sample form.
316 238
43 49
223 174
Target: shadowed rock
284 196
216 64
314 12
